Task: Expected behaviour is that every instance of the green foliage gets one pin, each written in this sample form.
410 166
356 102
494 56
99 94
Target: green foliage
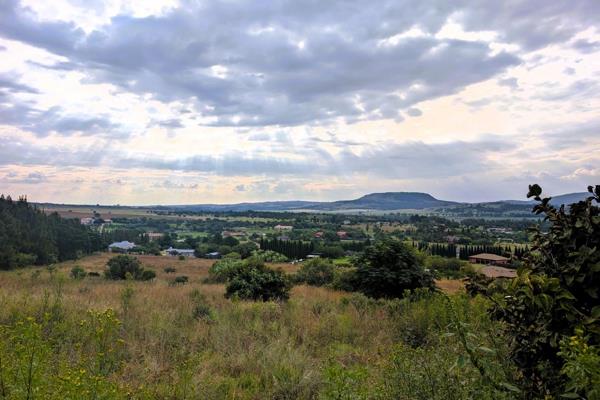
33 367
169 270
125 267
254 281
316 272
147 275
77 272
121 265
345 278
556 290
223 270
233 256
269 256
348 383
390 267
581 367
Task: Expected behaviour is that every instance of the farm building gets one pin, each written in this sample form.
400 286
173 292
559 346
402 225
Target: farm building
180 252
488 259
121 247
214 255
283 227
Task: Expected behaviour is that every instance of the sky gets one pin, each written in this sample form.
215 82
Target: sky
182 102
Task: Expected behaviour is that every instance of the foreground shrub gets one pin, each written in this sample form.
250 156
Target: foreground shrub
254 281
77 272
223 270
390 267
316 272
147 275
124 266
556 292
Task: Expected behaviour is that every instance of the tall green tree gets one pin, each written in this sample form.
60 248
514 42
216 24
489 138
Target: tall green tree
389 268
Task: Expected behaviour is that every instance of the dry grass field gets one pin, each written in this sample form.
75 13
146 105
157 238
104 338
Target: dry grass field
187 341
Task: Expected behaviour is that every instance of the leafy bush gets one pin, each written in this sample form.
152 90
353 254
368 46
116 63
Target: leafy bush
147 275
254 281
344 278
181 258
390 267
93 274
556 290
124 266
77 272
269 256
169 270
224 269
316 272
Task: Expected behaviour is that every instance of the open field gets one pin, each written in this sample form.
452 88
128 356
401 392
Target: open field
188 341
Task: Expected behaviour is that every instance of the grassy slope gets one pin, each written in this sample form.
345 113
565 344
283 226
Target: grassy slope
320 343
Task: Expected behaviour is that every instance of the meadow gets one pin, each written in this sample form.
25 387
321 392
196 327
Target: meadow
95 338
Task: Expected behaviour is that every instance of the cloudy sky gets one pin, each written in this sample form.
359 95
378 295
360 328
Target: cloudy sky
171 102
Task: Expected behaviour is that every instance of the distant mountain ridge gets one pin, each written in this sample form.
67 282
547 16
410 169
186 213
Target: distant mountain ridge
386 201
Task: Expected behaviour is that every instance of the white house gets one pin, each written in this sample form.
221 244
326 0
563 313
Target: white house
180 252
123 246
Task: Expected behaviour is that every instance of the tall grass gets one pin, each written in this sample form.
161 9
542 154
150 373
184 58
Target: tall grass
93 338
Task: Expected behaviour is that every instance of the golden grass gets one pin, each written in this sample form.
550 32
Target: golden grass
450 286
243 350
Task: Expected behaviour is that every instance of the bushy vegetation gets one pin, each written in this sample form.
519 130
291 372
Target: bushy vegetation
389 268
254 281
316 272
223 270
127 267
551 311
269 256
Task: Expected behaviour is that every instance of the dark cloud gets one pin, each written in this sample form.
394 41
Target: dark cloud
55 120
586 46
10 83
287 64
414 112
